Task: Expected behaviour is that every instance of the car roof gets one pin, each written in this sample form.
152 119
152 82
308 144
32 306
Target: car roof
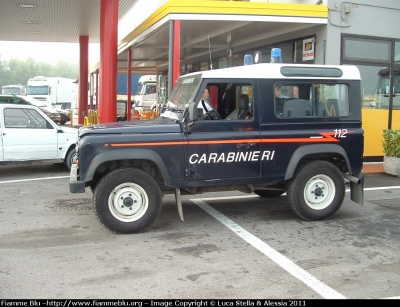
274 71
27 99
24 106
19 106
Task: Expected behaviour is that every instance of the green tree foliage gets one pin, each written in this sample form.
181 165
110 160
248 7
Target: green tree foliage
17 71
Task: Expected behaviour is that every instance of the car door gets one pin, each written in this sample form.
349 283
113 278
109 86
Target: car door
27 135
226 148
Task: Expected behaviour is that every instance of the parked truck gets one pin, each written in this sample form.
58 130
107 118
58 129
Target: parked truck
56 91
145 98
17 89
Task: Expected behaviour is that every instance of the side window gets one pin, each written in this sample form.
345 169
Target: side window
232 101
24 118
311 99
15 100
332 100
150 89
15 118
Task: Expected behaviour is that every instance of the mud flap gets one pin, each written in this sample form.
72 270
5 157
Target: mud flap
179 203
357 189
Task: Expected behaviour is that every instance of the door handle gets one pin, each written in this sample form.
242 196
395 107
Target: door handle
245 145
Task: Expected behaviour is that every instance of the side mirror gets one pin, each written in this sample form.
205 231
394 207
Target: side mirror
193 113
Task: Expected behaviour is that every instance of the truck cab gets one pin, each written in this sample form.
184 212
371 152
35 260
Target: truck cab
18 89
145 98
55 91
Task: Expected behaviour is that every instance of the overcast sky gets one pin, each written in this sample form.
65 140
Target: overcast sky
47 52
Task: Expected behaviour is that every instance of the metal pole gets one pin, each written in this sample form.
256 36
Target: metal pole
170 56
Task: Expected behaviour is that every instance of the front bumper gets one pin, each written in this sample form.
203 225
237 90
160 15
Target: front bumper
75 186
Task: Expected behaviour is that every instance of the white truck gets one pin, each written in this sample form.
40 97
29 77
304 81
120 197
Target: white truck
52 90
146 96
17 89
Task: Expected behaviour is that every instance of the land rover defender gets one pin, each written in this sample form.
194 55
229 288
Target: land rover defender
306 141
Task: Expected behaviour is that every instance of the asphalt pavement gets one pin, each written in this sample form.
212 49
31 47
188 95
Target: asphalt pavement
231 245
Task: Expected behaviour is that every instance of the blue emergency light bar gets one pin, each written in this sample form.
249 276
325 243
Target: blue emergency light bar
276 57
248 59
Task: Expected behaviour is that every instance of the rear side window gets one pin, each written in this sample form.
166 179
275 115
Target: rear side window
311 100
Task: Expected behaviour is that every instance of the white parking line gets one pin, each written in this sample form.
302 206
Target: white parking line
33 179
285 263
380 188
289 266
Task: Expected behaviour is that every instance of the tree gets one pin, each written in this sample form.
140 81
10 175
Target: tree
17 71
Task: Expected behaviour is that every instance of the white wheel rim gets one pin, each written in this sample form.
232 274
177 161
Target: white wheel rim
319 192
128 202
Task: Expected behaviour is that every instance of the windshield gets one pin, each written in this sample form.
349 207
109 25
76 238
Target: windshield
37 90
183 93
11 90
139 89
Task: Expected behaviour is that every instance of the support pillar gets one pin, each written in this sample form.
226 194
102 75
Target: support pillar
129 87
170 56
108 60
91 91
83 78
177 52
97 89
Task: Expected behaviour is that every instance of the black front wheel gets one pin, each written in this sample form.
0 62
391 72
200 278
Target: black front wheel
317 191
127 200
70 158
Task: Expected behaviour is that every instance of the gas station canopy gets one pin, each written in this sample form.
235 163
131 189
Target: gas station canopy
208 28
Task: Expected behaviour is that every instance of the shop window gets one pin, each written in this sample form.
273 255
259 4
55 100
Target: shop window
204 65
287 52
397 53
366 49
222 62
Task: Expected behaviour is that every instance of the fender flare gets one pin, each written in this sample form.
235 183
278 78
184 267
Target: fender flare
314 149
127 154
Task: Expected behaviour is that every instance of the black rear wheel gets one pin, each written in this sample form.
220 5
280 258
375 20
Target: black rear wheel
317 190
